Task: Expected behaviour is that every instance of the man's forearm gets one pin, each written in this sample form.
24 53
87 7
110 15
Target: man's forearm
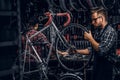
94 44
83 51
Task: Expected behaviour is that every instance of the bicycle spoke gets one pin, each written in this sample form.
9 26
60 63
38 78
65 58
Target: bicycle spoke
74 36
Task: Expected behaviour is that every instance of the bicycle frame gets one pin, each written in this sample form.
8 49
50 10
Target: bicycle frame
41 64
29 44
55 30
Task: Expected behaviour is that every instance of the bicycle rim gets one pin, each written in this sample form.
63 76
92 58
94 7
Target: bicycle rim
74 62
108 4
65 5
70 76
75 5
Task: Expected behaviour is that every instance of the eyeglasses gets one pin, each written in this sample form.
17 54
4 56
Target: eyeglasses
96 18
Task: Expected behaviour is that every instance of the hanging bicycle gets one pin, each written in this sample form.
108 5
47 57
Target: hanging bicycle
33 64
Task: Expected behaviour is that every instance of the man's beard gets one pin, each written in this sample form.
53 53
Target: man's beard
99 26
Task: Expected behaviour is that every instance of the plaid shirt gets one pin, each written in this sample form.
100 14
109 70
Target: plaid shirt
106 38
40 37
38 41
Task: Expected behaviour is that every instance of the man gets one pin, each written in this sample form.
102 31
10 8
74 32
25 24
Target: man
38 40
41 39
102 44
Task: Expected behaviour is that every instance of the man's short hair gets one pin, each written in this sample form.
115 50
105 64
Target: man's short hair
100 10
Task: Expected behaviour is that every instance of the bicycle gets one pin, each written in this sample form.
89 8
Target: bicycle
34 64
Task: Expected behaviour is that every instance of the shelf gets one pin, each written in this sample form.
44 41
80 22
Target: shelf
8 43
8 13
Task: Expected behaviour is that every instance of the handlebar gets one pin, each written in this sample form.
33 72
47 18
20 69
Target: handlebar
49 15
68 17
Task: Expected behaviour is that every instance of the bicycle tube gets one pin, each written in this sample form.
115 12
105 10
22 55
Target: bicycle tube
97 2
64 6
60 46
70 76
55 3
82 5
49 3
75 5
90 3
86 4
118 3
94 3
108 4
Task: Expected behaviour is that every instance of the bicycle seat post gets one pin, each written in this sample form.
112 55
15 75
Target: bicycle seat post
52 34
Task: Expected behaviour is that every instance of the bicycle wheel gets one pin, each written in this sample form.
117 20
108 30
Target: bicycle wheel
74 36
105 3
65 5
28 69
70 76
108 5
75 5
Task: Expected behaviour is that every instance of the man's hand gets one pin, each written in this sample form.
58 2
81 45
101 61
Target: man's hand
88 36
63 53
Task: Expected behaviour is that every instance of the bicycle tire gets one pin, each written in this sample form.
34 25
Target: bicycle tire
97 2
76 59
31 68
86 4
84 8
75 5
108 4
94 3
55 3
118 3
70 76
65 5
49 3
90 3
